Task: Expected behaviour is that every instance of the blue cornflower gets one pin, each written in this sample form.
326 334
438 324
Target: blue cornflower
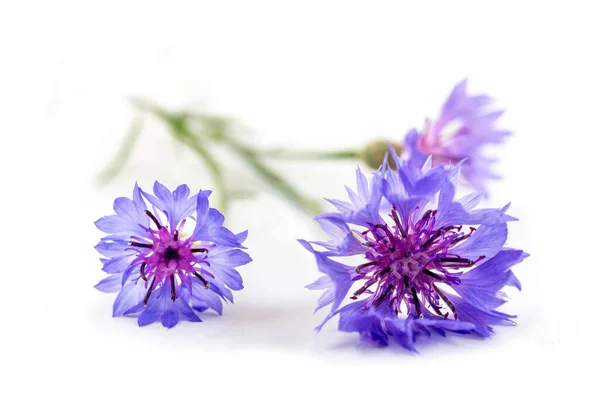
464 127
158 270
429 262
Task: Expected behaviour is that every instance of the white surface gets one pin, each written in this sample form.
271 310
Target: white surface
302 76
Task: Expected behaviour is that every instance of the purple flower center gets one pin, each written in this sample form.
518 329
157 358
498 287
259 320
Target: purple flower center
407 263
167 257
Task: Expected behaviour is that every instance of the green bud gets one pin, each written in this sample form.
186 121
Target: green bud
374 153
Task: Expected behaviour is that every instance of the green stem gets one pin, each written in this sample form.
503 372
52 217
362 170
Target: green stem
213 166
283 154
271 177
181 132
114 167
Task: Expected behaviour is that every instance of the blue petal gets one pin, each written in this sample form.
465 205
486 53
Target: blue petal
160 306
447 324
222 291
185 311
403 332
177 205
225 275
127 209
209 224
109 284
222 260
111 249
414 156
340 274
148 317
117 264
324 282
486 241
364 208
480 286
202 298
353 318
112 224
343 242
170 318
131 295
241 237
499 264
479 318
227 257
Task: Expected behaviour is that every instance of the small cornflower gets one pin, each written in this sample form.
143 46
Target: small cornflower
426 261
465 125
160 271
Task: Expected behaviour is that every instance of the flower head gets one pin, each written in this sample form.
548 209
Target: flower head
429 262
465 125
158 269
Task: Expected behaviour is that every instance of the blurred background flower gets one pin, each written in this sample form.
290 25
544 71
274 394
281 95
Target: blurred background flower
464 126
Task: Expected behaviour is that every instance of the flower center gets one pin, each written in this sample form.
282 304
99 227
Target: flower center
171 254
407 263
168 258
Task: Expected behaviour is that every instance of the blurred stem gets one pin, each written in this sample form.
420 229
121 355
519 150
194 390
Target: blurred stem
181 132
114 167
217 131
284 154
288 191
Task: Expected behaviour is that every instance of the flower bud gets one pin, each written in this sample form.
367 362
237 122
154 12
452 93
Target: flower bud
374 153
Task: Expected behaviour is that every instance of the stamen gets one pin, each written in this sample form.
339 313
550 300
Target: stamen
432 239
144 245
446 300
362 289
365 265
436 309
142 272
396 255
416 300
201 250
204 281
149 292
431 274
387 232
397 222
173 295
383 296
153 218
383 272
457 266
176 235
459 239
427 214
458 260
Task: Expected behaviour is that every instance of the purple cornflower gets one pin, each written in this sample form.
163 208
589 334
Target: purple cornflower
465 125
429 262
158 270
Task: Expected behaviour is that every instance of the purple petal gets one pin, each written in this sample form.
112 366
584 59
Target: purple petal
109 284
131 295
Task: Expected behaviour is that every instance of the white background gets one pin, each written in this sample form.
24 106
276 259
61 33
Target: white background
325 75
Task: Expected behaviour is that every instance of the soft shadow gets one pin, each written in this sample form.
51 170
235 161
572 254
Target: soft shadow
424 344
282 325
244 325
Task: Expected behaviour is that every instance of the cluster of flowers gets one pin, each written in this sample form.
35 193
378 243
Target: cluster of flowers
430 262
